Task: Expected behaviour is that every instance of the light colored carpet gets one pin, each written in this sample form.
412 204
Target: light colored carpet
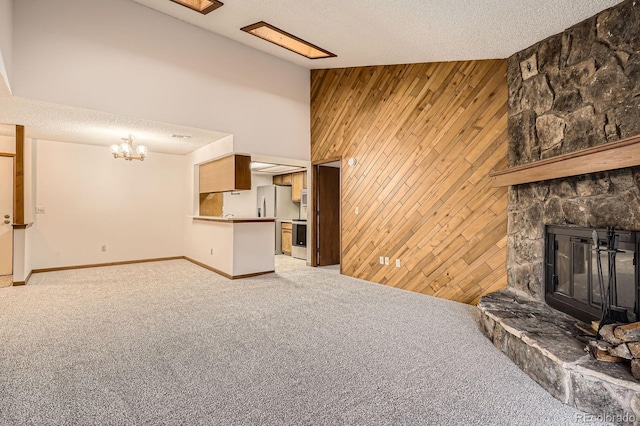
285 263
172 343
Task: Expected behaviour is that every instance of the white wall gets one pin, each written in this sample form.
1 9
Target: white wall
6 40
245 203
91 199
121 57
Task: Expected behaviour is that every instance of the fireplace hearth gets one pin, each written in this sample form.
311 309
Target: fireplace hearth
571 275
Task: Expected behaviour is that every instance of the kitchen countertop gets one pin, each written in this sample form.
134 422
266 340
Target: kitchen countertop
234 219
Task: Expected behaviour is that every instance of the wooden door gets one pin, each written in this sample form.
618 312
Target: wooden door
6 213
328 216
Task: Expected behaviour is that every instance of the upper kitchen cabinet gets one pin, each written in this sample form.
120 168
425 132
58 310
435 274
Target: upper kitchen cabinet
297 185
230 173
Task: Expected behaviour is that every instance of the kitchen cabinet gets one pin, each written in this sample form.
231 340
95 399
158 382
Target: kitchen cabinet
286 179
286 238
304 180
230 173
277 180
211 204
297 184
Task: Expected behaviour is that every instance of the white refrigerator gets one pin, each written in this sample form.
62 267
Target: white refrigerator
275 201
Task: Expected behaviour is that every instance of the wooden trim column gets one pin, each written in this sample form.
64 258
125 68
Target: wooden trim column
18 178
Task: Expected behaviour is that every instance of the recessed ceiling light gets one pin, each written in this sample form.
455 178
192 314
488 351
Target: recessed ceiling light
288 41
202 6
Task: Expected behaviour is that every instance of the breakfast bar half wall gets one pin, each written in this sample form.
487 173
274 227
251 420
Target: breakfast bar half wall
233 247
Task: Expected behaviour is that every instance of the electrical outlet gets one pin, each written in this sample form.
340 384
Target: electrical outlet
357 210
382 260
386 260
397 263
103 248
39 210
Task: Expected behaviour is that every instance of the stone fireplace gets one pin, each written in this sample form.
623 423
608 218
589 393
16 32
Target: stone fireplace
573 91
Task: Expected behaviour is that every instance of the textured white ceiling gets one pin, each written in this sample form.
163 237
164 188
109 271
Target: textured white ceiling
376 32
44 120
360 32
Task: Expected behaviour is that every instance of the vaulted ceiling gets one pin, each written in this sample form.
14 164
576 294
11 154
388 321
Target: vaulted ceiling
377 32
153 69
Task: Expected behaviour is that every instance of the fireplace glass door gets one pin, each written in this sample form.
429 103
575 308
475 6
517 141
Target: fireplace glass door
572 273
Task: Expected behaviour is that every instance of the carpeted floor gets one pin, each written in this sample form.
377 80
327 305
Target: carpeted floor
171 343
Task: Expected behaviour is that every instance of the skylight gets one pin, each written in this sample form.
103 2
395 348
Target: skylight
288 41
202 6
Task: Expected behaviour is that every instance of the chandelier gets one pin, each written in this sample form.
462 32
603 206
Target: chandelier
125 150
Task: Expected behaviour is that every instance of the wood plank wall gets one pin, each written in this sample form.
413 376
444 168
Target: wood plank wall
425 136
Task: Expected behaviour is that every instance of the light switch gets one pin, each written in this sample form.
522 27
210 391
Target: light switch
39 210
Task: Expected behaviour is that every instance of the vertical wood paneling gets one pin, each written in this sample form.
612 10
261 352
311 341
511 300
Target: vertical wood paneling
18 189
425 137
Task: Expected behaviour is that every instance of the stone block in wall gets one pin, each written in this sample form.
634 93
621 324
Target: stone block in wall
575 76
529 67
612 132
632 71
514 84
514 220
595 396
575 212
562 188
523 146
579 40
527 250
614 29
585 128
552 212
627 118
549 54
608 87
592 185
621 212
523 278
567 100
537 95
550 131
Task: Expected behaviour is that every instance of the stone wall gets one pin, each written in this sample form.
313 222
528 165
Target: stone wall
574 90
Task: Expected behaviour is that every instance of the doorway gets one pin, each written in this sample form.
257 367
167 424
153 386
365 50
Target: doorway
6 212
327 250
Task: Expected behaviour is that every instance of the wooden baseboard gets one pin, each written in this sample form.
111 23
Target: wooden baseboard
128 262
25 282
98 265
224 274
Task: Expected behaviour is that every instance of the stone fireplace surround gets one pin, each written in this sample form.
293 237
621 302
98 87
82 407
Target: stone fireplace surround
572 91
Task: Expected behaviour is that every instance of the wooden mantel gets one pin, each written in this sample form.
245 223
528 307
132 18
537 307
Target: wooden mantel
609 156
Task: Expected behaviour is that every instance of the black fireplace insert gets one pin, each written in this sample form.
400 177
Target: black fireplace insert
571 275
